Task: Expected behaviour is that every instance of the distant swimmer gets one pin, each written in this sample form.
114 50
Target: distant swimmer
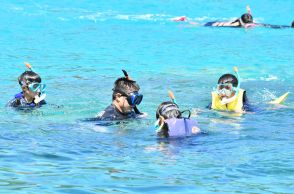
245 21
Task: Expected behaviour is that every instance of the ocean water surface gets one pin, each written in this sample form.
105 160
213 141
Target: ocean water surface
79 49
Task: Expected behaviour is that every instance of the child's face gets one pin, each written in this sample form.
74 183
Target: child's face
225 90
28 94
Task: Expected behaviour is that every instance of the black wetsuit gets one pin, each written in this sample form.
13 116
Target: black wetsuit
111 113
210 24
20 102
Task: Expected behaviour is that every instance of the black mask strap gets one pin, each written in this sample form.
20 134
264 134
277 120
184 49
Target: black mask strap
188 112
137 110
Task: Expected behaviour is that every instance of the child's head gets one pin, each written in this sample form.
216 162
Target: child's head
29 77
126 94
166 110
247 18
228 78
30 83
227 85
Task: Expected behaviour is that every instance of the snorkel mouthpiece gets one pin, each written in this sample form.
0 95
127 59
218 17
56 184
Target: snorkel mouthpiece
39 98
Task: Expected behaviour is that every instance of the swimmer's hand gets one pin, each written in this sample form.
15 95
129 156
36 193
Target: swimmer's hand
196 130
100 114
142 115
179 19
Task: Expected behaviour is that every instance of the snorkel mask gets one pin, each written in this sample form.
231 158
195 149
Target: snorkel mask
36 89
133 98
225 88
176 125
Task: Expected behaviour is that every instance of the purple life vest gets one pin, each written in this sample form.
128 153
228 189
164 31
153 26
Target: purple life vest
180 127
23 102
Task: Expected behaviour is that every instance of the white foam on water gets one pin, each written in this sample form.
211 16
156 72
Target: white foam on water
269 78
267 95
92 17
63 19
17 8
102 16
123 17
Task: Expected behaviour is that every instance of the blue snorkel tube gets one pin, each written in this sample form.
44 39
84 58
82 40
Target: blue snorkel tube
29 67
239 80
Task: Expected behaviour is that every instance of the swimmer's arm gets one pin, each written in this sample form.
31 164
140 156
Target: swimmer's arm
245 99
226 24
209 106
13 103
246 105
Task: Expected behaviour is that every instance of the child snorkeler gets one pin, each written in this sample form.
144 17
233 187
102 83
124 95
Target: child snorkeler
125 98
33 91
170 122
228 96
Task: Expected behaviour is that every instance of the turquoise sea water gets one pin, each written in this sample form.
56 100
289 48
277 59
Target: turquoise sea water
80 47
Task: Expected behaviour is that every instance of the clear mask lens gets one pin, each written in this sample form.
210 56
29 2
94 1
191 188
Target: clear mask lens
225 89
135 98
37 87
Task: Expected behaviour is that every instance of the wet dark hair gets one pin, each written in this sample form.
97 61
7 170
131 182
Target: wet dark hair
124 86
292 26
168 110
247 18
29 77
228 78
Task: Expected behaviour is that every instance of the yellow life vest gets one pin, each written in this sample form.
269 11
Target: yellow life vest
236 105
